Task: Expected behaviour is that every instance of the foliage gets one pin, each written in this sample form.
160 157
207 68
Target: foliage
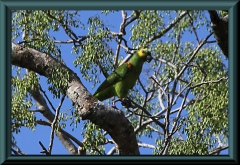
94 139
22 101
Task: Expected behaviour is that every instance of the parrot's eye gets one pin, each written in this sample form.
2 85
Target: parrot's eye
143 51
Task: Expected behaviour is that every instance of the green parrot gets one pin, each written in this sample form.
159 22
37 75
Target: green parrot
124 77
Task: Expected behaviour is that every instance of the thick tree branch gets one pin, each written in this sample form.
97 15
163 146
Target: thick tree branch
220 29
111 120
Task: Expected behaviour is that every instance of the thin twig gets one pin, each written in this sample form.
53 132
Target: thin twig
218 149
112 151
44 93
147 113
36 110
18 150
210 42
193 55
28 41
66 28
100 66
155 129
167 62
144 145
44 149
45 123
194 29
164 31
54 124
117 54
209 82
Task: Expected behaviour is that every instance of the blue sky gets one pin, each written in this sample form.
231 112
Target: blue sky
28 140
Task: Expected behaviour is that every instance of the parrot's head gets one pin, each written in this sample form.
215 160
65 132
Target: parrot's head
145 54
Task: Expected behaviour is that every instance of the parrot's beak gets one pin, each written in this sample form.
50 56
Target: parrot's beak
149 57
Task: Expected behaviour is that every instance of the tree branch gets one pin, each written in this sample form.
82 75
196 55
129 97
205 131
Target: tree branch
164 31
44 93
194 29
220 29
89 108
194 53
18 150
54 125
218 149
144 145
41 122
44 149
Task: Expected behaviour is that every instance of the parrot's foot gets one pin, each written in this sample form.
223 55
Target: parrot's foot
126 103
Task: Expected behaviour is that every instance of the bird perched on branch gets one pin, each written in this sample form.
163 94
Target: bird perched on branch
123 78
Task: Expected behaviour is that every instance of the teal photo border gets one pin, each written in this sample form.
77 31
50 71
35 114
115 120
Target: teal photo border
5 69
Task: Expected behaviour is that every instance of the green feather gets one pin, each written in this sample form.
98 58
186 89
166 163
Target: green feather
123 78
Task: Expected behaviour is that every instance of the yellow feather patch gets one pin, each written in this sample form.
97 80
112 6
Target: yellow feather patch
142 52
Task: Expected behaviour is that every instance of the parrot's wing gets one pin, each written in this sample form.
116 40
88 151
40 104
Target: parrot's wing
116 76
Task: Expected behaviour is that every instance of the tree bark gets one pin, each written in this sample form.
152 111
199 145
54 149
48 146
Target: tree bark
220 29
89 108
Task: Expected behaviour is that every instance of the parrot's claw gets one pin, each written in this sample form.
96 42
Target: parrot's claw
126 103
